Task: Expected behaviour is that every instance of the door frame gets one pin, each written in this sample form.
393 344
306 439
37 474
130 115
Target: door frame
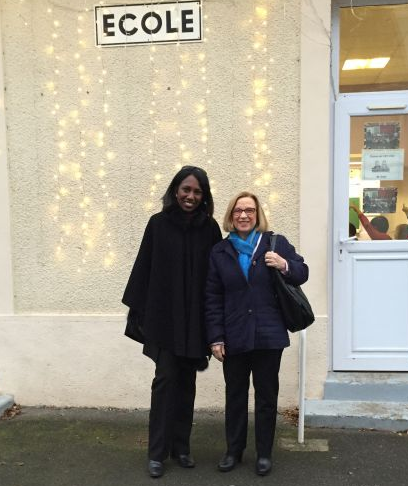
334 96
349 359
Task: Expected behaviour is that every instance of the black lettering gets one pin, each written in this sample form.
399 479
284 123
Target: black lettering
144 20
107 25
122 24
169 28
185 21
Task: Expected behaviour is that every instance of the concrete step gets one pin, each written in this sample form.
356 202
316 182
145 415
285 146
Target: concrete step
6 401
391 416
365 386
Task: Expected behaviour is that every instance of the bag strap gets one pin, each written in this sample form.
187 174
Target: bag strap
272 240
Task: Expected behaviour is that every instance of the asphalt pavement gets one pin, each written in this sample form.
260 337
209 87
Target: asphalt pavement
92 447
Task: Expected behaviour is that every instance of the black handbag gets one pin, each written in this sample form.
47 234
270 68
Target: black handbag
134 328
296 309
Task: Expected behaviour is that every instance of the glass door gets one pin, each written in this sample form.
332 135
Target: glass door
370 260
370 186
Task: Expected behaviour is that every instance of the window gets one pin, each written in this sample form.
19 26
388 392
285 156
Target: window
378 174
373 48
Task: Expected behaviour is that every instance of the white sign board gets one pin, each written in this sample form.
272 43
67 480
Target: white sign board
120 25
383 164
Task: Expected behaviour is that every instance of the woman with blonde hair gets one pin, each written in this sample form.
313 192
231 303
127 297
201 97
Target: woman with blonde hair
245 328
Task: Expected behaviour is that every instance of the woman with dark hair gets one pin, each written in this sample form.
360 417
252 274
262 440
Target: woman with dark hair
245 326
165 295
170 196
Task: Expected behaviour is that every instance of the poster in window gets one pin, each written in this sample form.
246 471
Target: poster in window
380 199
383 164
382 135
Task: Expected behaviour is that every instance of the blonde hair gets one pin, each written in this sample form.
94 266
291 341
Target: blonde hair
261 221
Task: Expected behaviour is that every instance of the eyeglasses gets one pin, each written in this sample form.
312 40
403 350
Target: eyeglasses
247 211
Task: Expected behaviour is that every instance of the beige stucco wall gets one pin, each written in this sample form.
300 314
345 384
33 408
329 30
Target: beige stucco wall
316 130
75 230
86 361
61 251
6 279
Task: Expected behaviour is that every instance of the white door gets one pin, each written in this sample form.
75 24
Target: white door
370 273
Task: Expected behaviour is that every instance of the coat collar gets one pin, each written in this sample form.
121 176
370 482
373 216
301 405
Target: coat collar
186 220
226 246
263 246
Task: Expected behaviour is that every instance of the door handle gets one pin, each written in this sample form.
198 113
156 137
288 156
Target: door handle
341 242
345 240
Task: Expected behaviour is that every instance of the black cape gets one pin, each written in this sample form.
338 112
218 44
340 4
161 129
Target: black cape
167 283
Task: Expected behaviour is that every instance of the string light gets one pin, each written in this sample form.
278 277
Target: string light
203 120
69 174
78 168
153 113
187 124
61 191
186 154
260 108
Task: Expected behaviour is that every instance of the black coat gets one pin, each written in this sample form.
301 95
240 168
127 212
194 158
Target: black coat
244 314
167 282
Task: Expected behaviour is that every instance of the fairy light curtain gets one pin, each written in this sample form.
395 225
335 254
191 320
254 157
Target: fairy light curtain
136 114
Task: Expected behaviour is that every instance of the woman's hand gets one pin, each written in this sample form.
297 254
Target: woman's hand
273 259
218 351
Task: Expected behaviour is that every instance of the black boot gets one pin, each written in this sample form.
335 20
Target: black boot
228 462
156 468
184 460
263 466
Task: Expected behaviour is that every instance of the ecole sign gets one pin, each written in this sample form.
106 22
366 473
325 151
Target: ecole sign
120 25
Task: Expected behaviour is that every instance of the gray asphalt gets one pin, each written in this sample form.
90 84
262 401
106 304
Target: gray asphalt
78 447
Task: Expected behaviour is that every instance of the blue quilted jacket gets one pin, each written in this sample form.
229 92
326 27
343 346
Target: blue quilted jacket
244 314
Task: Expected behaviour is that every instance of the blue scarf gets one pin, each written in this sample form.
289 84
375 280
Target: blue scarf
245 248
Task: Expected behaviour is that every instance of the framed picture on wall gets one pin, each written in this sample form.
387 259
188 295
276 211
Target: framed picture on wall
382 135
380 199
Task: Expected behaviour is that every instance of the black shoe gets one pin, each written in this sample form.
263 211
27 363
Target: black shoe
263 466
156 469
184 460
228 462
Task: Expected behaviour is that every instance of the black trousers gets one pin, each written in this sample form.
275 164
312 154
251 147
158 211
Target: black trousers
264 365
172 406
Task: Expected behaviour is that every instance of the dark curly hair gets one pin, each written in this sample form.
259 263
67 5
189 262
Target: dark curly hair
169 198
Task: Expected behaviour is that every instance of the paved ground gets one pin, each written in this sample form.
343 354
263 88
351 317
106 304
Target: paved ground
77 447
